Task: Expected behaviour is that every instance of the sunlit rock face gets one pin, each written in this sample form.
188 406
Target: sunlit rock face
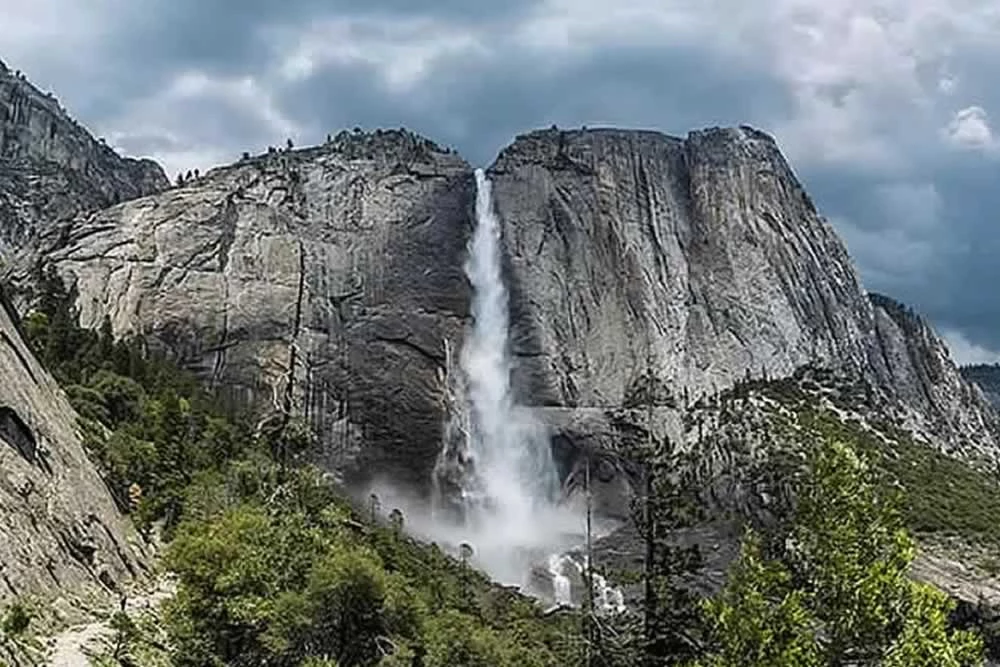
327 280
323 281
698 261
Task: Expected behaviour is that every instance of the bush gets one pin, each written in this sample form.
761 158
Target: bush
16 619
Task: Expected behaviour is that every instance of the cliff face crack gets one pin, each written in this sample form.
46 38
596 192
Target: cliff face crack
229 219
223 345
406 342
293 347
646 206
122 293
105 253
77 235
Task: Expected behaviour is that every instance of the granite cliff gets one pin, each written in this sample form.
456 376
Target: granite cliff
52 169
320 282
60 531
62 538
703 260
325 282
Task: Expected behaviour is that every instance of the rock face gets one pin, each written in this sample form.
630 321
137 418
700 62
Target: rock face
987 378
704 260
321 282
52 169
940 400
59 528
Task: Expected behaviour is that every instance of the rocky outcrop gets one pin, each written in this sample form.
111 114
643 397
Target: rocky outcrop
320 282
939 399
60 531
324 281
987 378
703 259
51 168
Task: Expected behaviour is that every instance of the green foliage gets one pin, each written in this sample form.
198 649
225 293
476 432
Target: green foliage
758 620
126 634
275 568
148 424
16 619
941 495
925 638
834 589
669 502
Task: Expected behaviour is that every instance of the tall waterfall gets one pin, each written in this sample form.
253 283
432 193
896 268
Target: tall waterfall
495 471
496 486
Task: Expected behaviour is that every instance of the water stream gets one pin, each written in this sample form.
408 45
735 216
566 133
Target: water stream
496 483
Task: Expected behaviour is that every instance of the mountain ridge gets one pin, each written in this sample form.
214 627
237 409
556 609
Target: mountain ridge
729 271
52 168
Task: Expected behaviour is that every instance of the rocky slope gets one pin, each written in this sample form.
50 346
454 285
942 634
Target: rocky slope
51 168
321 282
60 531
325 281
937 397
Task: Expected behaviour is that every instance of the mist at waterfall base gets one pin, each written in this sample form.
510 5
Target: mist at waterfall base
496 486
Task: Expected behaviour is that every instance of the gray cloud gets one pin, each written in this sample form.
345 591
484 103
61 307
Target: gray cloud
860 99
479 106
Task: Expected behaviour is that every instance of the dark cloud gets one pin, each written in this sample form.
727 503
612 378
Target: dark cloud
921 229
480 106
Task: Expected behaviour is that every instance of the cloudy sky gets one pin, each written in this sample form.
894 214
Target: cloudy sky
888 110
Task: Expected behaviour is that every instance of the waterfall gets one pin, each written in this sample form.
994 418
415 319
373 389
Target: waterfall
495 482
511 451
495 475
561 589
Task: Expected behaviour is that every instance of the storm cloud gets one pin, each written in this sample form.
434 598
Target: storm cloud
887 110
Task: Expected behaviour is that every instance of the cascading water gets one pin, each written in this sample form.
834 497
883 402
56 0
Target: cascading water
495 471
562 590
496 483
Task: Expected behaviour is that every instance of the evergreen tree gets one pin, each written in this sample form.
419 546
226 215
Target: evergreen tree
667 504
833 587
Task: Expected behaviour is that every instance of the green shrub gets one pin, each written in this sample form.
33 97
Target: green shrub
16 619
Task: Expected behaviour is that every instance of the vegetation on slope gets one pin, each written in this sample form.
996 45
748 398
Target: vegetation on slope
832 588
276 567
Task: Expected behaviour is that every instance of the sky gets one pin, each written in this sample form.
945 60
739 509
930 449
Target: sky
888 111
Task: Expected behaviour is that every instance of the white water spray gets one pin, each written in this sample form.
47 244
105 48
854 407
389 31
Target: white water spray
511 452
496 464
496 484
561 586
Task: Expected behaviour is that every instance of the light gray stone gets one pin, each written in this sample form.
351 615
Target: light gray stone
60 530
322 282
51 168
704 259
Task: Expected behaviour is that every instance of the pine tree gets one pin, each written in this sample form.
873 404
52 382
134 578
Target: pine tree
668 503
833 588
